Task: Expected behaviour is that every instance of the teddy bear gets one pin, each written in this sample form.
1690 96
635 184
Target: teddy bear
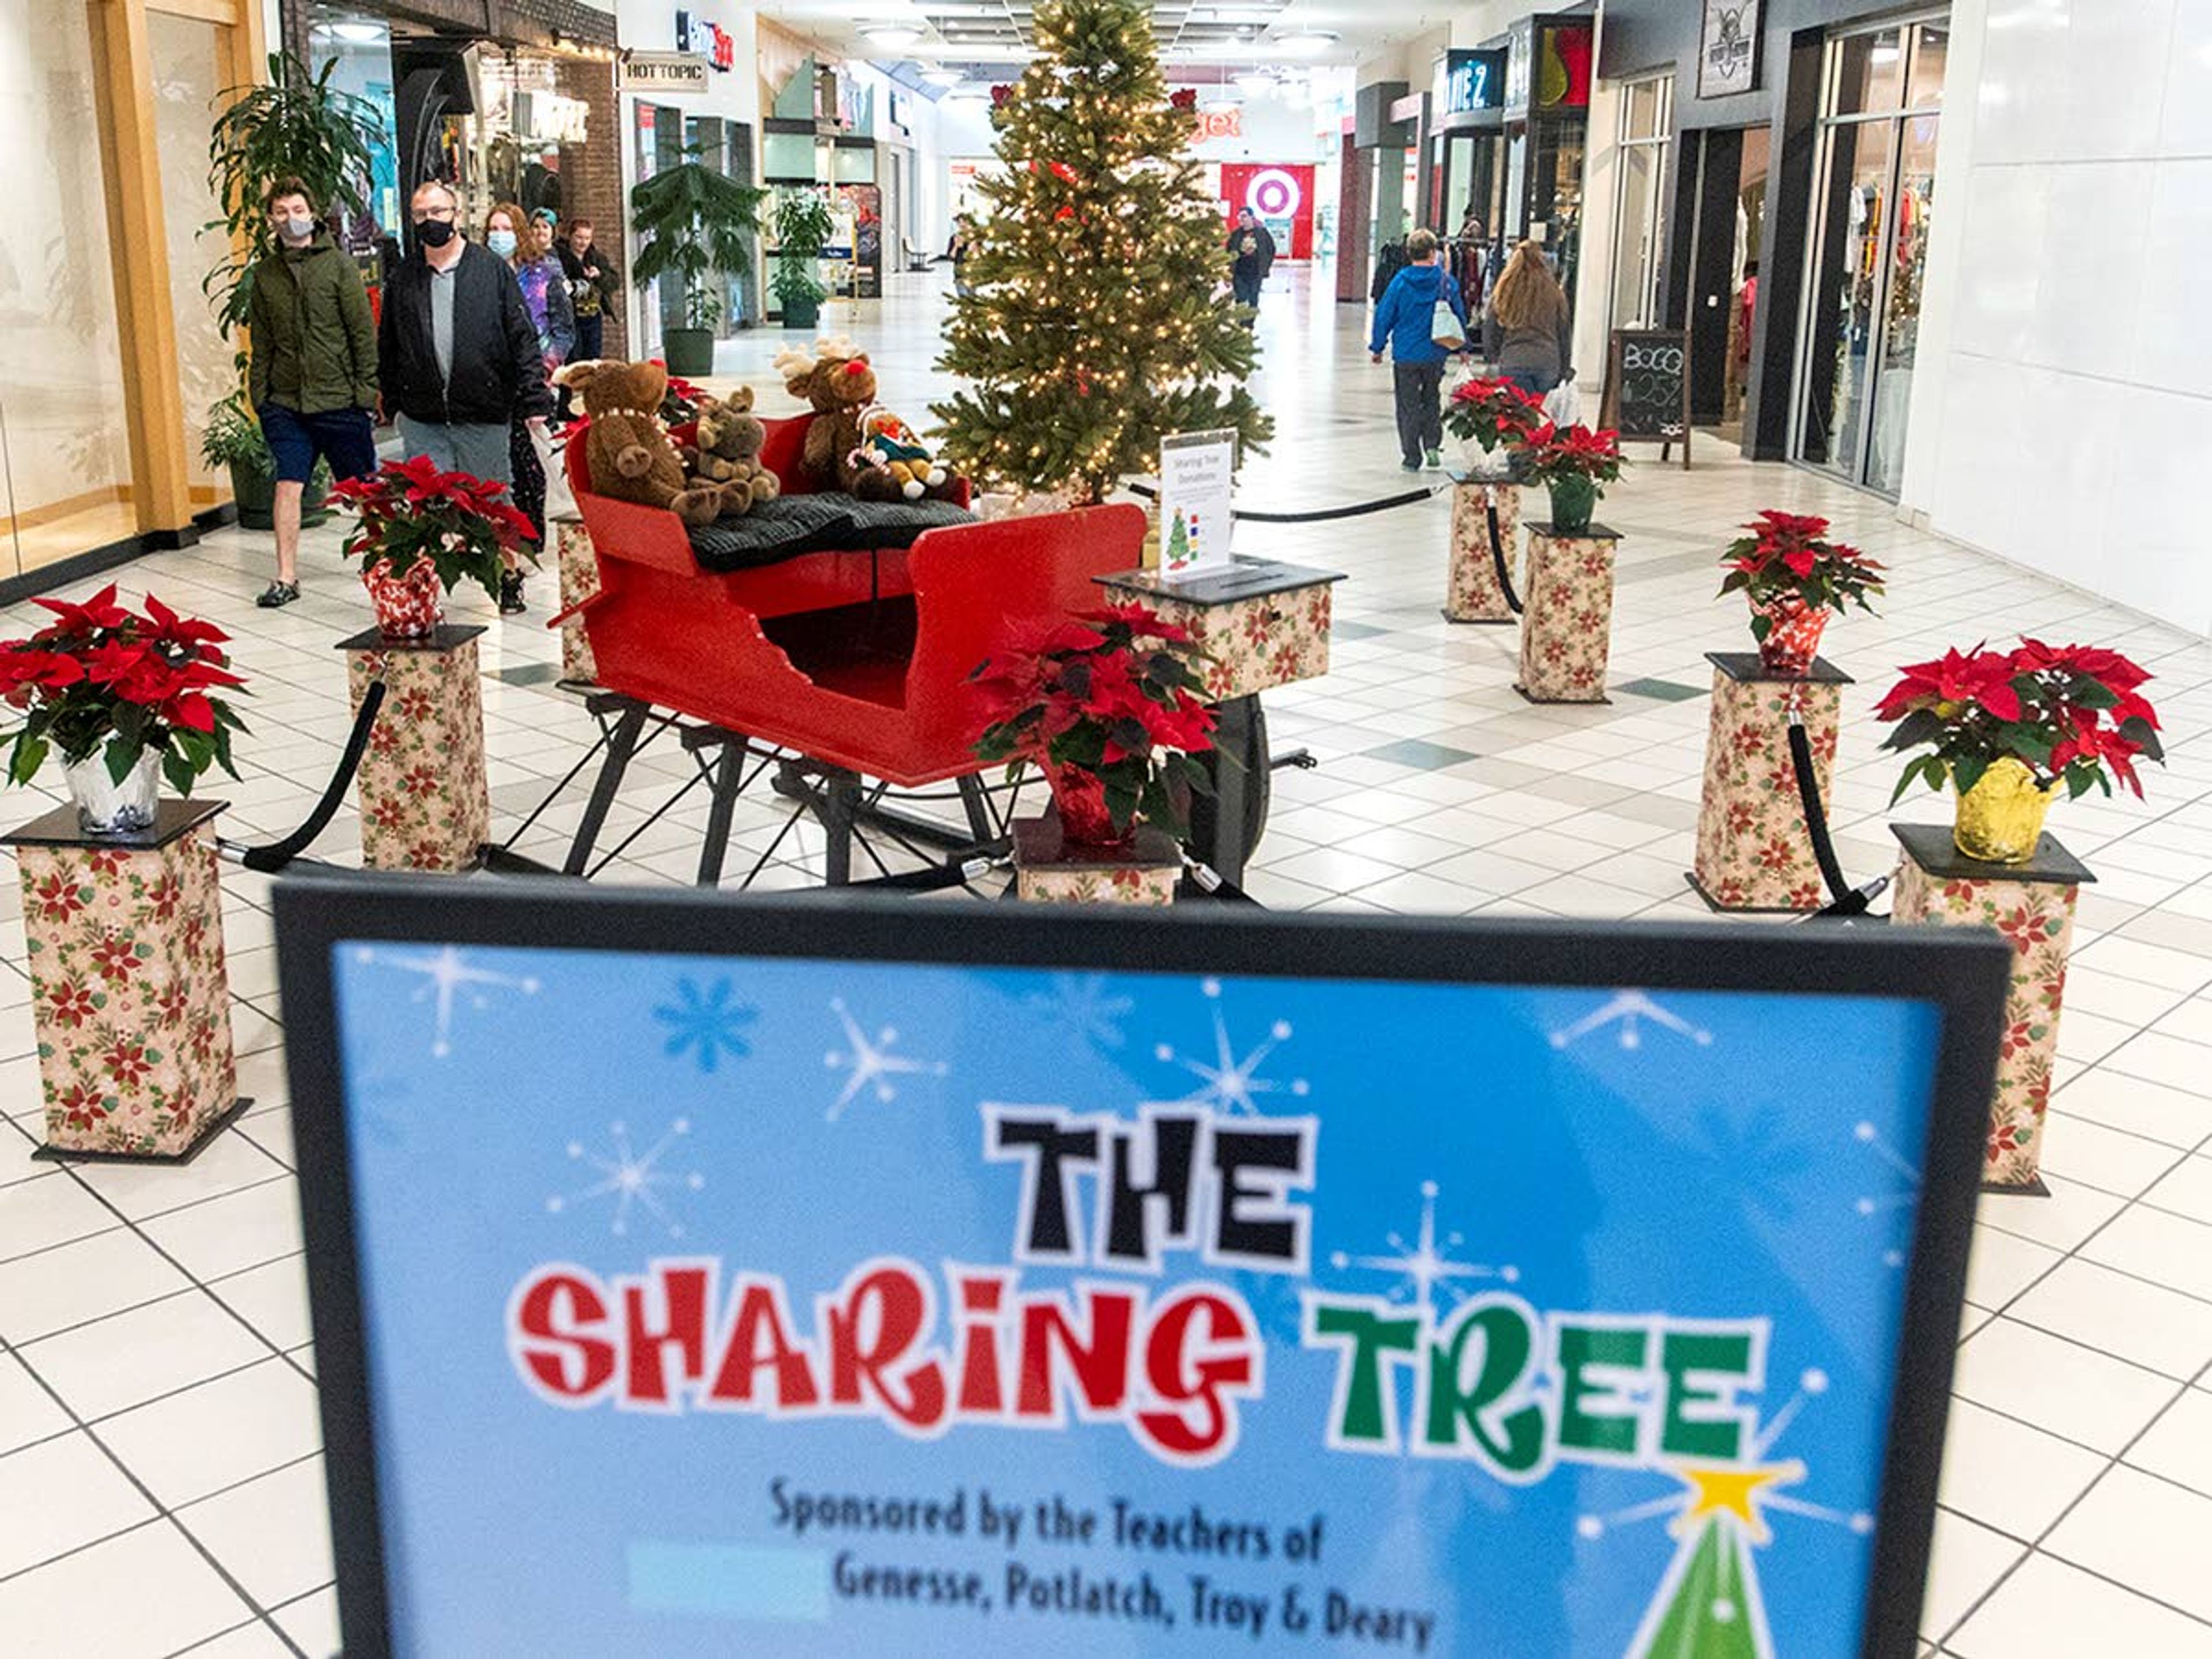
890 444
726 453
628 456
838 385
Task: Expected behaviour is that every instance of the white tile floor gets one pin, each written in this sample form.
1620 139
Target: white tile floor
160 1480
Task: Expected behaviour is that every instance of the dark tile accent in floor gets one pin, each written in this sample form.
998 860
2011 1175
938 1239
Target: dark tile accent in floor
530 673
1419 752
1660 690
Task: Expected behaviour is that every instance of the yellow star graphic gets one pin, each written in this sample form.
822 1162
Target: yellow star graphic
1718 1489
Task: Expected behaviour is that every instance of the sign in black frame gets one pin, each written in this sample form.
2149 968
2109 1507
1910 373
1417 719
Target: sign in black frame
1965 975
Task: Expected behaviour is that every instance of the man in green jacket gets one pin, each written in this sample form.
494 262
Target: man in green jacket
312 382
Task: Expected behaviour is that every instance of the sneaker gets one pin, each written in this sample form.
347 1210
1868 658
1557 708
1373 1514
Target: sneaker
277 593
1409 466
510 594
1436 462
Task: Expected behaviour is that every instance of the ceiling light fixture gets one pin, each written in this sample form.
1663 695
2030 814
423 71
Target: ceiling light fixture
1255 83
943 77
1305 42
891 34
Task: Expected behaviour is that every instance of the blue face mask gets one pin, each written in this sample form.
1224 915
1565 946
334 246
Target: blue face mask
502 242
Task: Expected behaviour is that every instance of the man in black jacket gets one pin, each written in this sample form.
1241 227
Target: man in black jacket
456 354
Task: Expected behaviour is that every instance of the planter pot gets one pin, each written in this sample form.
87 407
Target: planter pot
408 605
801 313
104 807
255 494
1084 822
1574 498
688 351
1793 635
1999 819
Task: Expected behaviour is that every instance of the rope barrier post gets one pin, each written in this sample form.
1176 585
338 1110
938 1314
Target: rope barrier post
1760 831
1566 633
425 804
1485 526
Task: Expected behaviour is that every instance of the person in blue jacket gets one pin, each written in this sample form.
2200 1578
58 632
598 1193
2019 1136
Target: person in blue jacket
1405 319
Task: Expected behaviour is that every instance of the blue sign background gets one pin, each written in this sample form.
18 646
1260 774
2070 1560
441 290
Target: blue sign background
1702 1156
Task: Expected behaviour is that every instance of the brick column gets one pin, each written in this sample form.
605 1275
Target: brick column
591 175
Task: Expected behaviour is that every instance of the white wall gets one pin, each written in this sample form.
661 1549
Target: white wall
2063 405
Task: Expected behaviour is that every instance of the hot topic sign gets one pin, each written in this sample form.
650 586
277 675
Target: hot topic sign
827 1308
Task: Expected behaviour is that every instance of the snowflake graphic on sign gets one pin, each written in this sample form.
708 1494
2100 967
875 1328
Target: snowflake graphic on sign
632 1179
1080 1004
706 1024
870 1063
1229 1082
448 979
1425 1265
1872 1206
1626 1014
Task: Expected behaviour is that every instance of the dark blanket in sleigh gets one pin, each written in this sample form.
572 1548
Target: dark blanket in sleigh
791 526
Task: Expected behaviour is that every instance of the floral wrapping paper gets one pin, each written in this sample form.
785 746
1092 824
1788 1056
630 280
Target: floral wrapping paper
1754 852
2037 919
1253 644
129 994
1567 634
1474 594
579 566
424 801
1094 885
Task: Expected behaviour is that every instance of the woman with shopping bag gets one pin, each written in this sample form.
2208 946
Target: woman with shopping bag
1526 331
1424 318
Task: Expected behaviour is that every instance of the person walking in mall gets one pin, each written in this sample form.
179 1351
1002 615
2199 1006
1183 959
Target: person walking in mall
594 287
1407 321
1526 331
312 380
1252 248
527 246
458 355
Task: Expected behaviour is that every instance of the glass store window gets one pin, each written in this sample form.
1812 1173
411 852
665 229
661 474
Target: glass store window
1874 186
1647 123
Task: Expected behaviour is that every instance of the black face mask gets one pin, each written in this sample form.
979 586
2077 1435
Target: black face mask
433 233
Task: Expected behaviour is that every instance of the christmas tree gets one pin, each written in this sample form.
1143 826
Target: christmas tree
1099 321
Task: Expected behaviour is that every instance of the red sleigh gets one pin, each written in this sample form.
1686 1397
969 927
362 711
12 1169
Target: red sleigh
842 673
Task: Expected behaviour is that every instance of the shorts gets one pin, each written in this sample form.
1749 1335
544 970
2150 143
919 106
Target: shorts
343 437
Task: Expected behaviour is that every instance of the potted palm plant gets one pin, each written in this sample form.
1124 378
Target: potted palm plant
803 229
694 222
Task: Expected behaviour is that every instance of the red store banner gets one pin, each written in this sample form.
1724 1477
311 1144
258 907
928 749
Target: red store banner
1280 193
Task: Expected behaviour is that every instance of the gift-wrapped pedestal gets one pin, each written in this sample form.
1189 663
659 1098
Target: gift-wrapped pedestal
579 579
129 993
1261 624
2032 904
1486 525
1754 851
1047 871
424 801
1566 629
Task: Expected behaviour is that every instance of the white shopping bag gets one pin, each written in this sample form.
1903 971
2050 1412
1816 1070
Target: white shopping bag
559 499
1563 405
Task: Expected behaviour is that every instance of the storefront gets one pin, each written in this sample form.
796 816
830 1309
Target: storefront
113 358
1772 175
513 102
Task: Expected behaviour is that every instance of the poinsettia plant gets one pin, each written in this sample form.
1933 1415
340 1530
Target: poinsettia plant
1113 693
1492 412
409 510
1788 553
103 678
1551 453
2069 714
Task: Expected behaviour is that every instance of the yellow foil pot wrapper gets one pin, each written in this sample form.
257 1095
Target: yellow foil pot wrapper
1999 819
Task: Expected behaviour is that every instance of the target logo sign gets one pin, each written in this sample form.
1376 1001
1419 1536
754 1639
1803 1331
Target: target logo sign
1273 194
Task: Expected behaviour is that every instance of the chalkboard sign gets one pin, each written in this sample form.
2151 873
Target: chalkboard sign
1647 388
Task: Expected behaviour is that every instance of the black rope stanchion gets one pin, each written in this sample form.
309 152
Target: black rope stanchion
1846 900
278 854
1358 509
1498 558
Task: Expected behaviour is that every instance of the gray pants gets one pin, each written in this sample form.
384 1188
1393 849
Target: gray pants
479 451
1418 388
